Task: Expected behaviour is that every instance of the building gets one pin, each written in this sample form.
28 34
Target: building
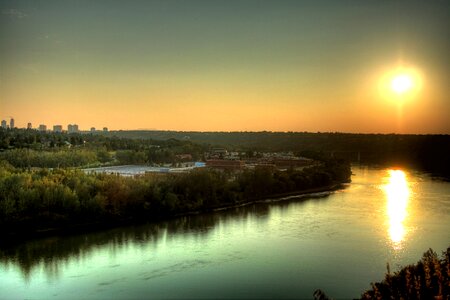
217 153
57 128
225 164
29 126
105 129
42 127
11 123
92 129
291 163
4 124
72 128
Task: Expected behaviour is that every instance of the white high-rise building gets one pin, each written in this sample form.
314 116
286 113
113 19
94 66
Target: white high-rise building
42 127
11 123
4 124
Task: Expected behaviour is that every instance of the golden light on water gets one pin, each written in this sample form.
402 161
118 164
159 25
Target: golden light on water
397 196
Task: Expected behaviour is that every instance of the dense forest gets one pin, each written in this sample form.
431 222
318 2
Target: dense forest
37 199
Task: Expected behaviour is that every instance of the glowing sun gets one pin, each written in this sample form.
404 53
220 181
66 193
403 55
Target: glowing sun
401 83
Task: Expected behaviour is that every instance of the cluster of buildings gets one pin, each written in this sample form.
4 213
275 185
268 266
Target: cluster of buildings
10 125
220 158
71 128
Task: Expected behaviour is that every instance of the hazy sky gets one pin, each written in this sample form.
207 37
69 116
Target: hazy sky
226 65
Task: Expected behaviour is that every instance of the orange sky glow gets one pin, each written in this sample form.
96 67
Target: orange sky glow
196 66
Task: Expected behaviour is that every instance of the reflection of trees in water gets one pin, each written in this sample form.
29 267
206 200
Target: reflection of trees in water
52 253
55 252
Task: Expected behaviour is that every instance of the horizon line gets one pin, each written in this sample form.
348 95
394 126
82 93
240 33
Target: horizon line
236 131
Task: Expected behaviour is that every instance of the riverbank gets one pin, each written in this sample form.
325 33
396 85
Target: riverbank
17 234
308 193
55 201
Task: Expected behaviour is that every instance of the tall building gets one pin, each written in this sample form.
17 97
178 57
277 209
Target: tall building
105 129
72 128
42 127
29 126
4 124
11 123
92 129
57 128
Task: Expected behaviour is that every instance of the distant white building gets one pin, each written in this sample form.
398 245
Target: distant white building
105 129
11 123
72 128
4 126
92 129
57 128
42 127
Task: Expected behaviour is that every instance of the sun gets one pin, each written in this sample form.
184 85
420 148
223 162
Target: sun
402 83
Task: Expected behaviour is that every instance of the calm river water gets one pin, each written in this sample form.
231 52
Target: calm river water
338 243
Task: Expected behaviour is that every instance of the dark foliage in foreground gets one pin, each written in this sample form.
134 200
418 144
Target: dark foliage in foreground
428 279
42 198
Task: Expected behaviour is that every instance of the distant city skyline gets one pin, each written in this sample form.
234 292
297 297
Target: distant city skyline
70 128
325 65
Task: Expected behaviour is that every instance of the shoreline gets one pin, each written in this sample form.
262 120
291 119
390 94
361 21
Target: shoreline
21 235
308 193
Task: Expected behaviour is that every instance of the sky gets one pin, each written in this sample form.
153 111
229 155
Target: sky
226 65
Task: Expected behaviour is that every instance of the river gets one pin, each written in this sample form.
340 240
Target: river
339 243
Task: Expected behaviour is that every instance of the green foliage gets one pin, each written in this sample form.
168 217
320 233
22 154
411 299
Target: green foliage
131 157
103 156
27 158
31 148
428 279
34 139
38 198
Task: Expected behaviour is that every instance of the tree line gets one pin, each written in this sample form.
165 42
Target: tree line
44 198
25 148
84 157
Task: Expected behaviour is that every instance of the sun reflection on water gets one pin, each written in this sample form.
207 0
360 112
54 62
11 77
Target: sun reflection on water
397 194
